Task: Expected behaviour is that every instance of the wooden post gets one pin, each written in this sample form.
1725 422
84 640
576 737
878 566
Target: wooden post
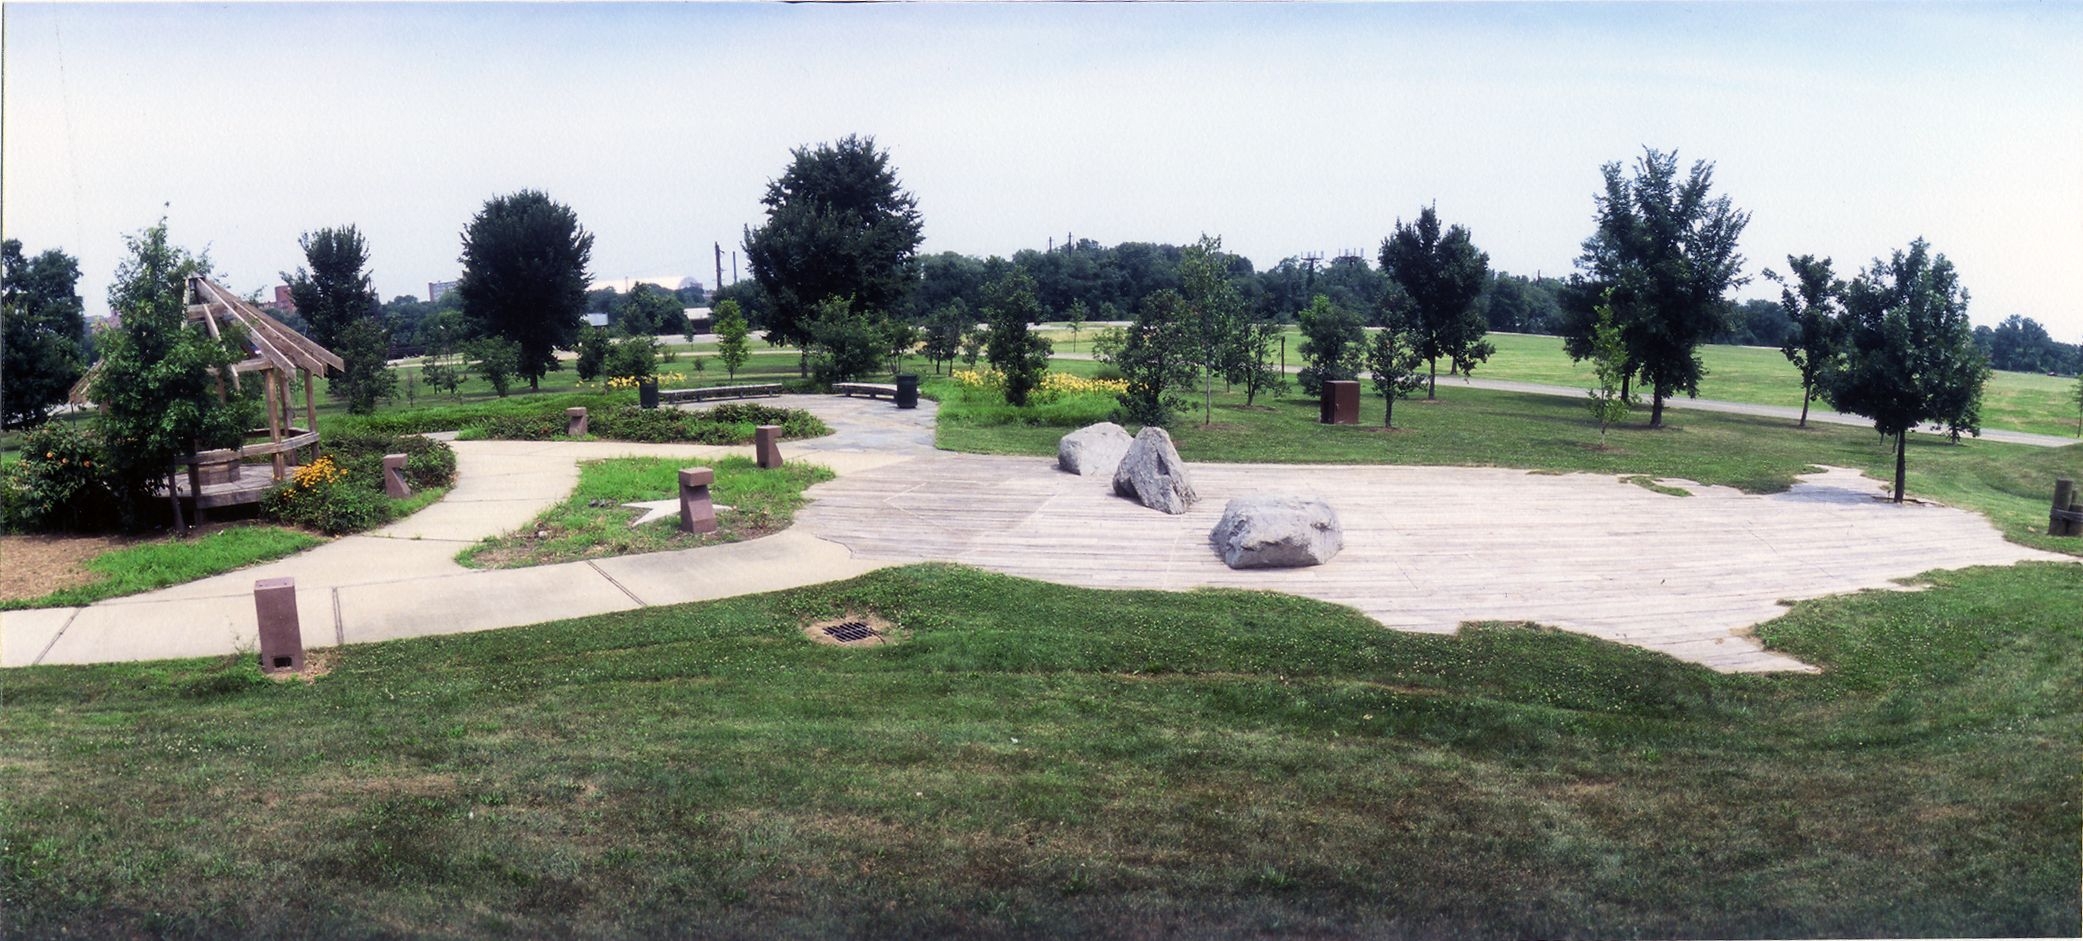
272 390
195 481
310 411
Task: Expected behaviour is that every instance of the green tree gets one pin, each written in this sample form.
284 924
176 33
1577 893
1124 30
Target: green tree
1217 311
839 225
902 339
1156 357
1075 318
363 347
164 385
944 331
1252 366
1010 307
1609 400
632 357
496 360
1666 249
335 290
845 344
1392 360
45 328
593 352
1441 274
1808 295
1909 352
1331 343
972 345
524 277
649 310
731 331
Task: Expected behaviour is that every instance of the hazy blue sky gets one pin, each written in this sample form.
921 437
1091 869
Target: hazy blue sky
1846 130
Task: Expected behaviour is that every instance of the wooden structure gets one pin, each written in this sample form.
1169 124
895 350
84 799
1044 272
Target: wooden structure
218 478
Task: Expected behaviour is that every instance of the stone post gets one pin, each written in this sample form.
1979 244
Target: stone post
394 485
767 444
575 421
281 638
697 511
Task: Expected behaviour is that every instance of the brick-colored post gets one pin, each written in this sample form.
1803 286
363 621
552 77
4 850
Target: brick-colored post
767 443
575 421
1340 404
394 485
281 638
697 511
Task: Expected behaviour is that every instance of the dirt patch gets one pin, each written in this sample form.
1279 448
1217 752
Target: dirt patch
39 565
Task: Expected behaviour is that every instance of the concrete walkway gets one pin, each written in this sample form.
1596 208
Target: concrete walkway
1427 548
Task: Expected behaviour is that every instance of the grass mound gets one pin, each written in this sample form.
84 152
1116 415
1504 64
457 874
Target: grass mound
1037 760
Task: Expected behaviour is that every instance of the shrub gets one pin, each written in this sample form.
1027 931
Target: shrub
322 496
62 483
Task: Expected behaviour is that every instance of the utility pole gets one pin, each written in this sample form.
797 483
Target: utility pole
719 265
734 268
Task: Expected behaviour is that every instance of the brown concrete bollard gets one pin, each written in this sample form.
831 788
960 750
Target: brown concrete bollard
767 442
394 485
1340 402
281 638
2060 523
697 511
575 421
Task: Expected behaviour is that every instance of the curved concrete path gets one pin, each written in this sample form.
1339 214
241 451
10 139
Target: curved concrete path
1428 548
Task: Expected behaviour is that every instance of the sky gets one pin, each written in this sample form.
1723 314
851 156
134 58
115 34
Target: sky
1846 130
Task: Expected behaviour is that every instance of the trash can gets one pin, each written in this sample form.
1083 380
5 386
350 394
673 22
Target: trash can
647 393
907 390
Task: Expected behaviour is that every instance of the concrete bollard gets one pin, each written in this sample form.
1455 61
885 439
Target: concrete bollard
697 511
766 441
281 638
394 485
575 421
1340 404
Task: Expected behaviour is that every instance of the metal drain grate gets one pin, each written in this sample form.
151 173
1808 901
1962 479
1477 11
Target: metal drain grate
847 632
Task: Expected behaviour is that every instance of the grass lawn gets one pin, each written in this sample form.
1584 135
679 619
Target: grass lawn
2012 484
593 524
1033 760
172 561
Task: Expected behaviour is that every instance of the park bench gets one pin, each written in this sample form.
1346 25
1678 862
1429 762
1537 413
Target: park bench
669 396
870 389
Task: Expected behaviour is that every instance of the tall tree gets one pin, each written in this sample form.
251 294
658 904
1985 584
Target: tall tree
1010 306
1909 353
161 377
649 310
731 331
944 332
1332 339
1666 249
840 225
1808 295
45 330
335 298
1217 311
1442 274
524 277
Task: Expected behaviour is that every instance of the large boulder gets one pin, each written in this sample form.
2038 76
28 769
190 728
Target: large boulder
1093 449
1277 532
1152 474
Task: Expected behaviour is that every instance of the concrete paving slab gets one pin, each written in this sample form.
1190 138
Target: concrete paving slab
788 559
25 634
187 627
476 601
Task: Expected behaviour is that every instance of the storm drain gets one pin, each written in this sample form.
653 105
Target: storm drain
853 629
847 632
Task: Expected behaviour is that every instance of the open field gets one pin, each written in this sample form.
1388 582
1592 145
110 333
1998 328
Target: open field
1031 760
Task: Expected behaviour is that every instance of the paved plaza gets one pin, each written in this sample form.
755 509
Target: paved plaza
1427 548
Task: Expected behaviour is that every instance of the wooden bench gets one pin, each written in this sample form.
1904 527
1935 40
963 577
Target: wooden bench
669 396
870 389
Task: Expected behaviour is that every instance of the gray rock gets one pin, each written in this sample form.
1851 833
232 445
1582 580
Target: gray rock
1277 532
1152 474
1093 449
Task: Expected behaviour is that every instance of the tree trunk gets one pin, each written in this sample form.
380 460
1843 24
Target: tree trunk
173 496
1807 395
1388 414
1208 416
803 365
1901 443
1432 380
1656 409
535 383
1625 380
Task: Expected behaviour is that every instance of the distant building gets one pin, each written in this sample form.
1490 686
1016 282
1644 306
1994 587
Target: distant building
437 288
698 319
597 320
283 302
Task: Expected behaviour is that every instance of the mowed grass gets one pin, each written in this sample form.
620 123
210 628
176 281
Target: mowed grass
1040 761
172 561
592 523
2012 484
